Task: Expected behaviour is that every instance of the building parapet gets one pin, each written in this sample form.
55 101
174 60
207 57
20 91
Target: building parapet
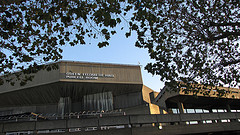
159 121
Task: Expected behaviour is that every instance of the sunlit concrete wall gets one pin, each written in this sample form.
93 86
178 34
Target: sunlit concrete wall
43 77
154 109
100 73
82 72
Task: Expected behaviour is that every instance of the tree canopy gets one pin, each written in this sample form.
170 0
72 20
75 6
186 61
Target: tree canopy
194 41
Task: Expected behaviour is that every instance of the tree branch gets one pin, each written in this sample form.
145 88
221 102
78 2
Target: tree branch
225 24
8 2
230 62
224 35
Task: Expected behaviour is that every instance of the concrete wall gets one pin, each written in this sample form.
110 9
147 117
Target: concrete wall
132 103
141 109
103 73
124 81
23 109
127 100
133 120
219 129
111 73
146 94
212 91
41 78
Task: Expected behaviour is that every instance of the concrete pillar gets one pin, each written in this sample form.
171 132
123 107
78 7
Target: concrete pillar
210 110
170 111
181 110
180 107
161 111
228 108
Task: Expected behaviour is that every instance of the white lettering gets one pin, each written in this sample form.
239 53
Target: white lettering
69 73
70 77
87 76
110 76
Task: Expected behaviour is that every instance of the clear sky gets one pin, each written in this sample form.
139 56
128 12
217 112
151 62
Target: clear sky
121 50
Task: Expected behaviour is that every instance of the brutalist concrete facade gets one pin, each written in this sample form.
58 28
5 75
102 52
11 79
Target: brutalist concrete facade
80 86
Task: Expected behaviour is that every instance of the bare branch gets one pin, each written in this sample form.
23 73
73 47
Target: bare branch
225 24
230 62
224 35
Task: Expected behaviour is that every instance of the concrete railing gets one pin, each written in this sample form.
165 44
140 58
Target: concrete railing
124 121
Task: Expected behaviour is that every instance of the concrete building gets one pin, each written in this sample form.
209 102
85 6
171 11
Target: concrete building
96 98
206 100
79 87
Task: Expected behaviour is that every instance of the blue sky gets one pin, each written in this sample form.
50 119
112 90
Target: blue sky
121 50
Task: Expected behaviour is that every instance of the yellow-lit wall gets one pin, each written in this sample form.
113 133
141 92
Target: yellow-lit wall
154 109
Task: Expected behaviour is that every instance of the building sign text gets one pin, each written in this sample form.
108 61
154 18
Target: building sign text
87 76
